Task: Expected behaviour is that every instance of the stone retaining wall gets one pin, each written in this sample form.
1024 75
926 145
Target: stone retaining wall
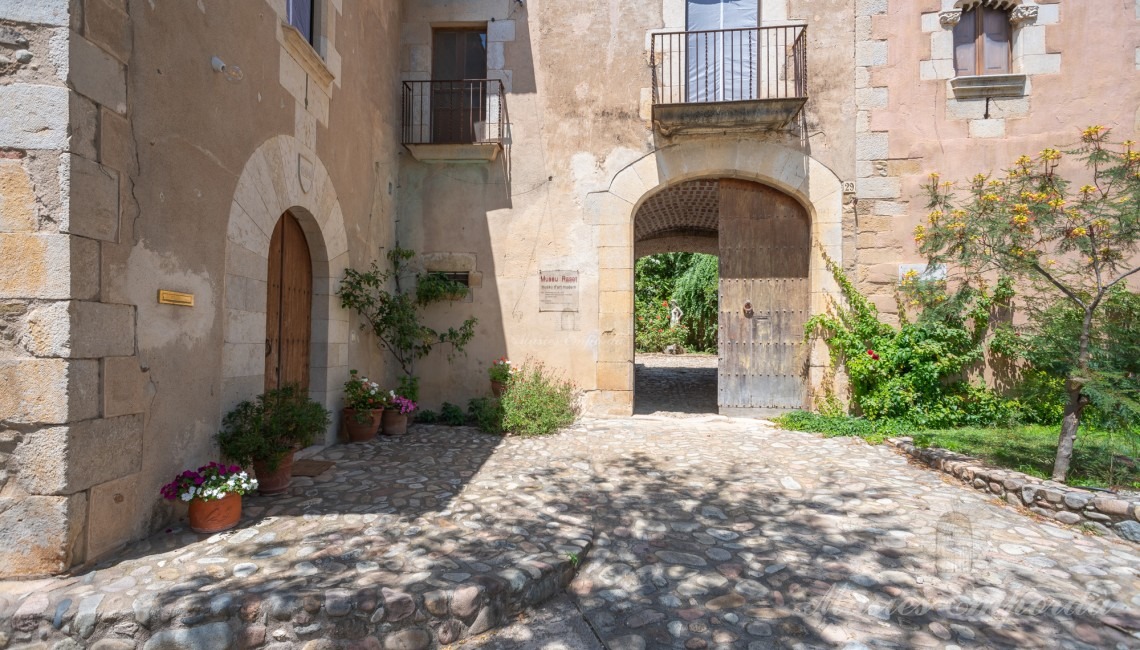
368 618
1101 512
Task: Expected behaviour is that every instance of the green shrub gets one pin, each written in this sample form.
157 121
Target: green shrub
537 401
487 414
426 416
267 429
653 332
452 415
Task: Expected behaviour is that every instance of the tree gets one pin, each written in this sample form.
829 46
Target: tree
1076 248
393 316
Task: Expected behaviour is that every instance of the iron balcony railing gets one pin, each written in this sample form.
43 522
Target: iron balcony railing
725 65
466 111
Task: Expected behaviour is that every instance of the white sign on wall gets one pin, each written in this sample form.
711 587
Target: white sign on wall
558 291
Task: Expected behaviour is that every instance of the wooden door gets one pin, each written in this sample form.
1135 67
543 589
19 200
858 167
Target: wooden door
765 243
288 313
459 94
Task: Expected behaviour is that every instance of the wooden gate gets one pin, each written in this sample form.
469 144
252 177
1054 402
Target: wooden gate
765 245
288 313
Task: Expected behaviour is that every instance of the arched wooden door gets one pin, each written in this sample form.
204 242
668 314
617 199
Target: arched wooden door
765 247
288 313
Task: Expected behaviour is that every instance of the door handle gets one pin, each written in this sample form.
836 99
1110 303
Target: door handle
268 347
748 312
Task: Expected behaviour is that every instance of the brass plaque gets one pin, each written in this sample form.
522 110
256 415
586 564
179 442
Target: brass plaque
175 298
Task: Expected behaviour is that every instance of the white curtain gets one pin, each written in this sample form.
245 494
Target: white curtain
722 65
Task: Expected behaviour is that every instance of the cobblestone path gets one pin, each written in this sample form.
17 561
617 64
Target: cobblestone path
706 533
680 385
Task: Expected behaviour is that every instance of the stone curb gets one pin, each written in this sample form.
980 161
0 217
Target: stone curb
341 617
1100 512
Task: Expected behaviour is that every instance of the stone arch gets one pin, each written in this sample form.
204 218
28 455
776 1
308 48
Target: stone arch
789 170
283 175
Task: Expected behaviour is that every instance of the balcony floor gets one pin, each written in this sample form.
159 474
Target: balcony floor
726 117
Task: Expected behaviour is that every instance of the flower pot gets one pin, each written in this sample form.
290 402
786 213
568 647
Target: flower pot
216 515
362 431
395 423
274 481
498 388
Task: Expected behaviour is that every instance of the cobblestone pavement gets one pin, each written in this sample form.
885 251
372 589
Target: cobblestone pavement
707 533
680 385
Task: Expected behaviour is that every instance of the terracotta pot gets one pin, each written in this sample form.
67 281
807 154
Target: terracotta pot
216 515
498 388
362 431
395 423
274 481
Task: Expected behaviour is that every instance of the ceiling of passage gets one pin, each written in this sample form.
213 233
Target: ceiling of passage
690 207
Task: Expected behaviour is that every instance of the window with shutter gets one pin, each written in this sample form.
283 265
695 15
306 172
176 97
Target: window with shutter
982 40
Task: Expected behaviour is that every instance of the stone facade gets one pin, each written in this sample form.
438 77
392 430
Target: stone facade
130 162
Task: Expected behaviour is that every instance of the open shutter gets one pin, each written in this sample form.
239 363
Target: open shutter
300 14
965 45
996 32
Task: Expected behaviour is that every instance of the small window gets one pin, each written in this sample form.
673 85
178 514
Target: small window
300 15
982 42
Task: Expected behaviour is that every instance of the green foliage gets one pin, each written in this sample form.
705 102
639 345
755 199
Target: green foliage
914 372
452 415
689 280
1074 248
697 293
393 315
537 401
268 428
835 426
487 414
408 386
427 416
653 332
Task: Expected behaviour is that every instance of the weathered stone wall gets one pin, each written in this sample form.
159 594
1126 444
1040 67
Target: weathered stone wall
1078 60
579 99
130 165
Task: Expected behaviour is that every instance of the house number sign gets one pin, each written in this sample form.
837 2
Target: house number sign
558 291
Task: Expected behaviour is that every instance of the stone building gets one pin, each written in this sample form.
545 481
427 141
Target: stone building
157 155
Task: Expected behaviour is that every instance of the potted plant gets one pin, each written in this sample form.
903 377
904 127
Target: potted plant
391 301
266 432
500 372
396 414
214 493
363 408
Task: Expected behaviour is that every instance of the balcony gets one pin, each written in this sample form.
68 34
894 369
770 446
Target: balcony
729 80
461 121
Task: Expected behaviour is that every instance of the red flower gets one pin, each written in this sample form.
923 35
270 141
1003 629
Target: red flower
871 353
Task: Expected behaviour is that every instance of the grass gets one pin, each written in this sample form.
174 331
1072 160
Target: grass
1100 459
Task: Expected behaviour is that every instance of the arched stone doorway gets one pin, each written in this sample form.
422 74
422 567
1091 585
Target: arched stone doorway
791 171
761 237
284 176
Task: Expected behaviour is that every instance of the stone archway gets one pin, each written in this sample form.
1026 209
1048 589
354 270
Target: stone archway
283 175
788 170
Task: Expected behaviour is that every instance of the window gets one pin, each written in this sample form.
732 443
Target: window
300 15
982 42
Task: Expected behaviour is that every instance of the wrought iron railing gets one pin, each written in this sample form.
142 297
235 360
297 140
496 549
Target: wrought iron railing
466 111
724 65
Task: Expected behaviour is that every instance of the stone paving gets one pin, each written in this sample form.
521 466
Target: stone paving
677 385
690 533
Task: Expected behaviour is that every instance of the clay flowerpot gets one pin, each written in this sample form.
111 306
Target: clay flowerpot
216 515
362 431
498 388
395 423
274 481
